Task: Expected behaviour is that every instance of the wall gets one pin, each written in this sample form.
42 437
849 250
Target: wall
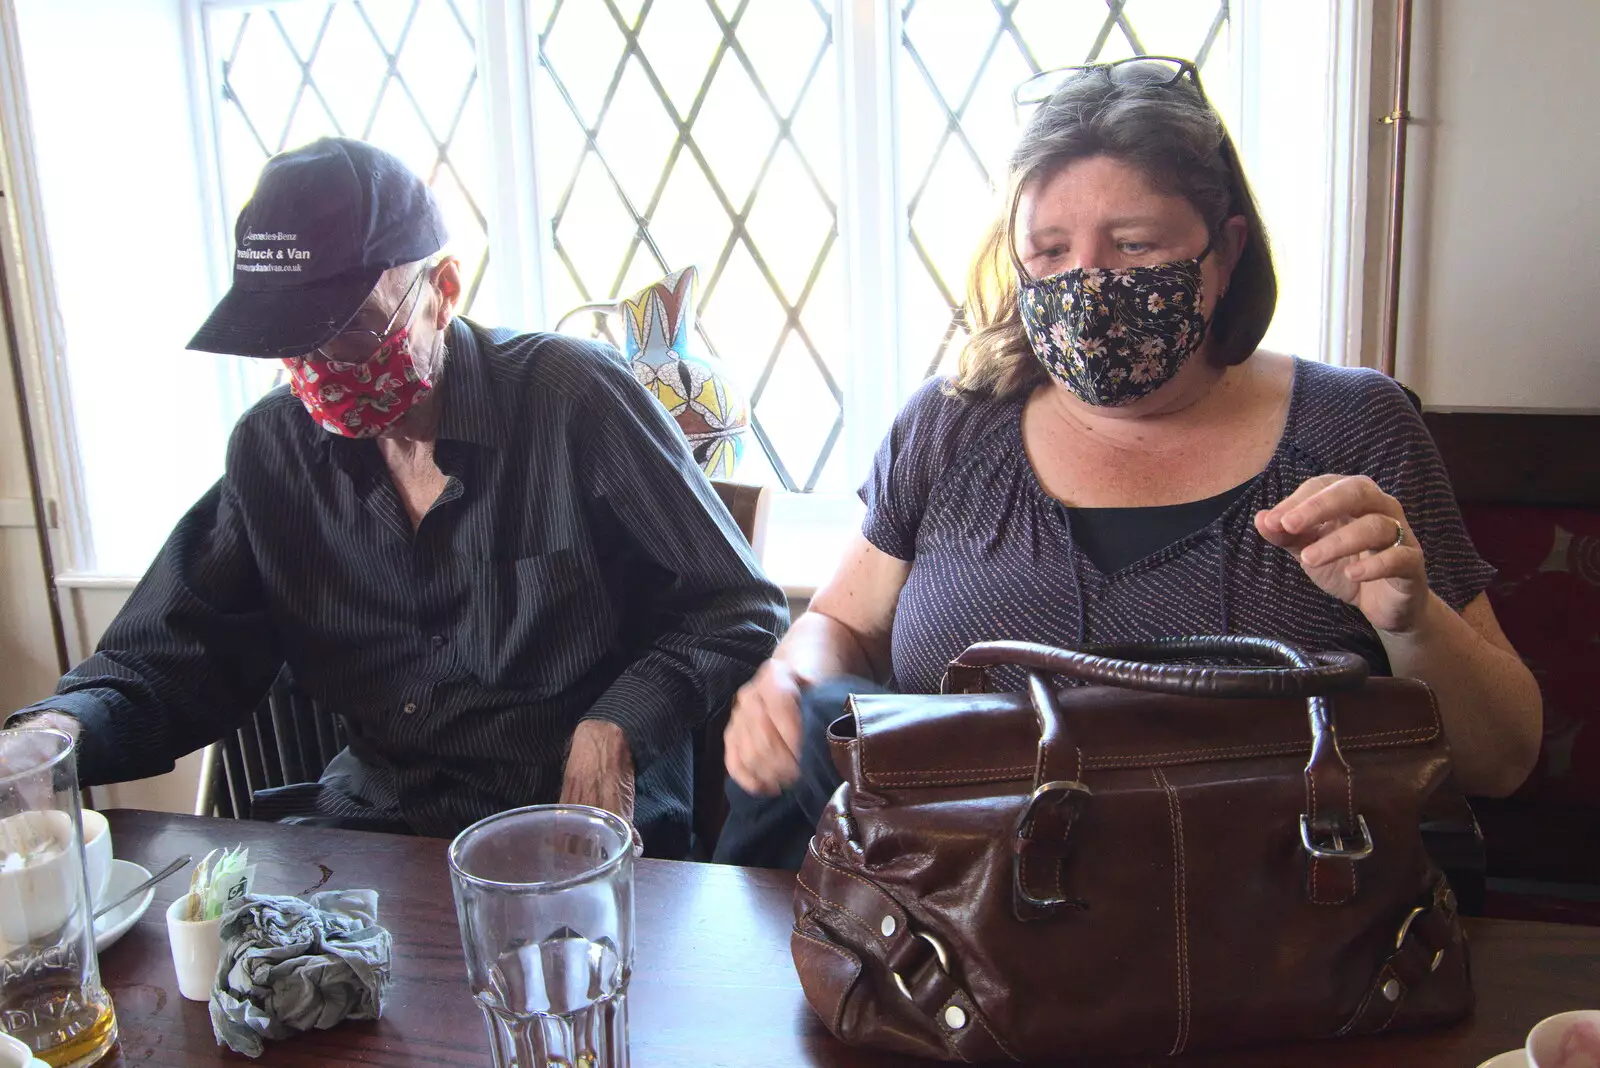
1500 266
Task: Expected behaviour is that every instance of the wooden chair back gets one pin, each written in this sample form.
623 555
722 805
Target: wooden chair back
287 740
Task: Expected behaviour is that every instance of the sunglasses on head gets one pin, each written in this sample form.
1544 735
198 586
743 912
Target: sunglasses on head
1044 85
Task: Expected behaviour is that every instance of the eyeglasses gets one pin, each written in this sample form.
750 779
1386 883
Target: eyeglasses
1044 85
359 346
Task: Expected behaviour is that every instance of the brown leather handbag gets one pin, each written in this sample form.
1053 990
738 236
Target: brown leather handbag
1166 859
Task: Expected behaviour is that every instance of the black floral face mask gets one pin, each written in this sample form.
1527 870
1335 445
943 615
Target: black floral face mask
1113 335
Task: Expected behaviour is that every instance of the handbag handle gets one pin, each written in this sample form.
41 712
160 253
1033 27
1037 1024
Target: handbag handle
1333 834
1142 666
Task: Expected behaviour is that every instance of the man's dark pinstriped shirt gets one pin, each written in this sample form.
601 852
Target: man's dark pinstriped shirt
576 565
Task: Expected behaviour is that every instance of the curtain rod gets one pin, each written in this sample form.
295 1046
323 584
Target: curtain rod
1398 120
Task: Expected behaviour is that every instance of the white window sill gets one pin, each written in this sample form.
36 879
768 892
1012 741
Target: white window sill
95 580
806 536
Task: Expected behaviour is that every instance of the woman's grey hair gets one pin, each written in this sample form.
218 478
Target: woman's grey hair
1137 114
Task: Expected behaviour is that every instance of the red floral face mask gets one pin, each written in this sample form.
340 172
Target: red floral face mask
359 400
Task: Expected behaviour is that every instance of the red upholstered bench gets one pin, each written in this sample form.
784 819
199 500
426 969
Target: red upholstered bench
1529 487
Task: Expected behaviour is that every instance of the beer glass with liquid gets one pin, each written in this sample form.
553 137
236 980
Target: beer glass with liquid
50 992
545 900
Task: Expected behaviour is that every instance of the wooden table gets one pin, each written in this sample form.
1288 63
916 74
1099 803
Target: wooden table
713 985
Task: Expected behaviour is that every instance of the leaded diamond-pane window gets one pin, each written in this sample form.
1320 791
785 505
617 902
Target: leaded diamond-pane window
401 74
706 132
959 61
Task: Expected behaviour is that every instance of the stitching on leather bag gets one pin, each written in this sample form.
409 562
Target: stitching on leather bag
1350 817
1134 759
1357 739
1394 1010
978 1016
1419 734
1316 862
951 1042
944 772
1180 903
831 903
838 1005
869 884
937 776
877 890
1361 1009
861 740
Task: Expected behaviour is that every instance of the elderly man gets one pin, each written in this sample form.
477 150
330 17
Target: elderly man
491 553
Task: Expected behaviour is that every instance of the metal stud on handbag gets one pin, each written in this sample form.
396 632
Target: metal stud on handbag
1216 842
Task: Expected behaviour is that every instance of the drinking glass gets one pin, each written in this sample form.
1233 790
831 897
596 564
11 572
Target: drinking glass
50 992
544 896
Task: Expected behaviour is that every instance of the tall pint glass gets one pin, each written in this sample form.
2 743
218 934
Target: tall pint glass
545 899
50 992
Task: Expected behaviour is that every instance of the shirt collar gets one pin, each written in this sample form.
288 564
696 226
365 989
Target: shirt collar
469 408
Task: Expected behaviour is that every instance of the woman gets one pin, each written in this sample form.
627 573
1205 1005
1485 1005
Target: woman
1116 460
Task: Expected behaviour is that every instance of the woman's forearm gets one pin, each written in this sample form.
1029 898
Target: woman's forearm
1488 699
820 647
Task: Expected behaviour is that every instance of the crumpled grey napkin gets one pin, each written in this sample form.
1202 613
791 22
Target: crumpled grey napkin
289 965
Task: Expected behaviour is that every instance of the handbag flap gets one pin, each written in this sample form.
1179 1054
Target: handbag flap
904 740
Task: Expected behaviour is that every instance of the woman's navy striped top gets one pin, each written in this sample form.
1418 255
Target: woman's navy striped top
993 556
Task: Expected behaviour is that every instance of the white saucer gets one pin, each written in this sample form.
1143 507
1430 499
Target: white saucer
15 1046
1512 1058
125 875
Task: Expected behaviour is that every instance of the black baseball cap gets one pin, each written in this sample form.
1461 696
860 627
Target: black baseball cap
323 225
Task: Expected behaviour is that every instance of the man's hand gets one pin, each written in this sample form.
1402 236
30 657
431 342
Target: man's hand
599 769
34 753
49 718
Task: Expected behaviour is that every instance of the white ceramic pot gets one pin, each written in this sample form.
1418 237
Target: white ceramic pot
196 950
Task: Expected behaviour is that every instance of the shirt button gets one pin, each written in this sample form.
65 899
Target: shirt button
410 707
438 641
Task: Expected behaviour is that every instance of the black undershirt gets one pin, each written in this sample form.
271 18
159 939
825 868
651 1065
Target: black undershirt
1113 538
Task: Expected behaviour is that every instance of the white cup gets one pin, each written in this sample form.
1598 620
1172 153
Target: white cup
1566 1040
37 895
196 950
14 1053
96 854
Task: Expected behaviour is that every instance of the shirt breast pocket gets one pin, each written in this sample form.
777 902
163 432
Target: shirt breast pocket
538 623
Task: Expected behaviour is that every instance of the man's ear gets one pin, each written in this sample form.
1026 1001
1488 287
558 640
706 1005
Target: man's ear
446 278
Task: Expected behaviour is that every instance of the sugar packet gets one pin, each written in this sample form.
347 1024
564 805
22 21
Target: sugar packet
219 882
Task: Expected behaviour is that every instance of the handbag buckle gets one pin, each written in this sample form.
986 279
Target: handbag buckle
1072 794
1068 797
1336 849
